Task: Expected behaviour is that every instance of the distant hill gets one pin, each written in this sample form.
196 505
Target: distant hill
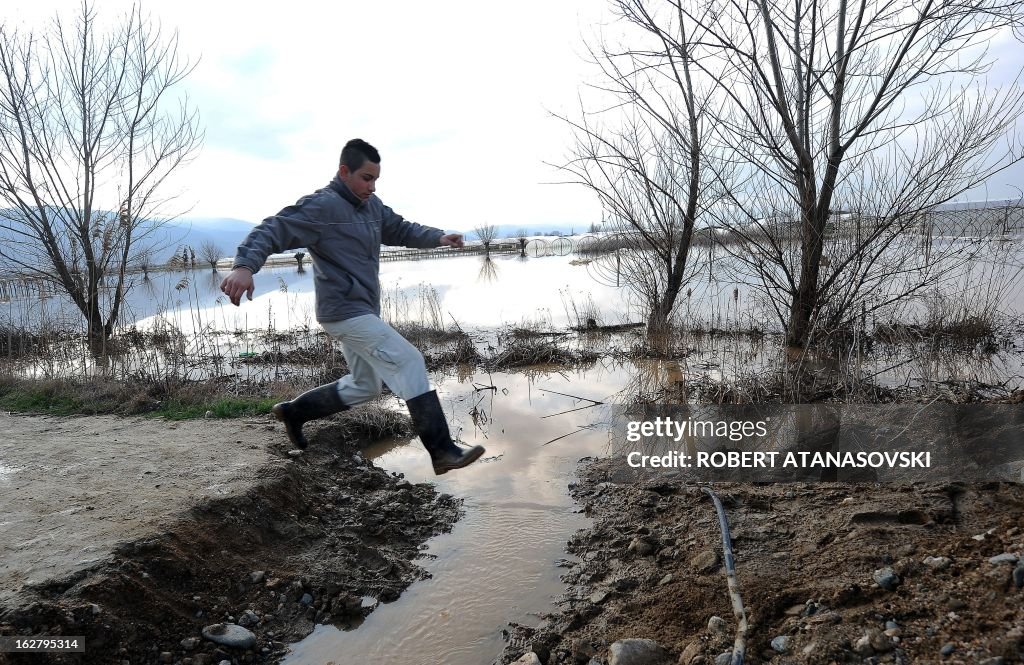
168 238
224 232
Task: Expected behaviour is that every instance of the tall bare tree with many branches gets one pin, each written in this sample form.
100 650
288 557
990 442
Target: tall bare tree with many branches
851 119
820 134
89 132
644 154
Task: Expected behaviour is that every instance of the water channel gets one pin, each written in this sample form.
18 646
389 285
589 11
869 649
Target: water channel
499 563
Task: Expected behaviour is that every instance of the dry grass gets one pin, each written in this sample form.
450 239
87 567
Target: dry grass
366 423
525 352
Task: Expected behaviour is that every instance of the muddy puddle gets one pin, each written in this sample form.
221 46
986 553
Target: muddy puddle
500 562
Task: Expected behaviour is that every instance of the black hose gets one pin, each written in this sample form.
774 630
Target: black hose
740 643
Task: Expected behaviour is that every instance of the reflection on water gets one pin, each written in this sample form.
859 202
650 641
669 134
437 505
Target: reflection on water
479 294
488 270
498 564
482 292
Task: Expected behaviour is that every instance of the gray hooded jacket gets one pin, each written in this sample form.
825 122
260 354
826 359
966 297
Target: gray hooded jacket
343 235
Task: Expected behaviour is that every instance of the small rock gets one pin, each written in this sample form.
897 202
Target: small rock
724 658
257 576
717 626
528 659
1018 575
641 546
863 646
190 643
947 649
887 578
781 643
889 625
306 599
906 550
665 580
636 652
937 562
598 597
248 618
230 635
691 651
880 642
1008 557
295 453
582 650
706 562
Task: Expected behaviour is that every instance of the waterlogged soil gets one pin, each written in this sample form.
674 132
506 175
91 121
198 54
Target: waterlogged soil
826 573
137 534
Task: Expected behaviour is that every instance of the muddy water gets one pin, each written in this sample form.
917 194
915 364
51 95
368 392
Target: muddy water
499 563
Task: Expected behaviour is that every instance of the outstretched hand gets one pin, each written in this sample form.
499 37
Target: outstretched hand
237 283
452 240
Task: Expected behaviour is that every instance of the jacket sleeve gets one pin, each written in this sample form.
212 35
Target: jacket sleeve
295 226
396 230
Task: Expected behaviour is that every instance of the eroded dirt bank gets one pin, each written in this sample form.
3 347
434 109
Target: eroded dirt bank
809 559
320 537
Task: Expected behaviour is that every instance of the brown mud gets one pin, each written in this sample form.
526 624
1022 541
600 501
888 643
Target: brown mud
176 527
294 541
808 559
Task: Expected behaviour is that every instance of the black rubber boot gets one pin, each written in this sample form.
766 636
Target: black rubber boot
429 422
310 405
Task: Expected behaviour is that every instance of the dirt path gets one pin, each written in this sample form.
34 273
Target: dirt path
71 489
138 534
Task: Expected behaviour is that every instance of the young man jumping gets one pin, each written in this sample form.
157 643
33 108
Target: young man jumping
343 226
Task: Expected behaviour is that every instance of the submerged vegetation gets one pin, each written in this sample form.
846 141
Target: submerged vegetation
192 360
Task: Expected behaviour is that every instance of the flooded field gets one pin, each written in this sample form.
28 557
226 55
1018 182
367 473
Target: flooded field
538 361
194 333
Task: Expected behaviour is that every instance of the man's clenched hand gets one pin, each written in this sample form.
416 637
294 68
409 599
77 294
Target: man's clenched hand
237 283
452 240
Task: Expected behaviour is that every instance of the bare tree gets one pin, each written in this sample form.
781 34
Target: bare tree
89 132
487 233
144 262
648 169
851 119
210 252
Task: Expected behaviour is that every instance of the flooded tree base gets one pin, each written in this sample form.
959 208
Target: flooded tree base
827 572
316 538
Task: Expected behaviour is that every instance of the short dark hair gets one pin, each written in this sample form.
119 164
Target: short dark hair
356 153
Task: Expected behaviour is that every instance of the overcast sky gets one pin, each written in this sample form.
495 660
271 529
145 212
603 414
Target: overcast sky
456 95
